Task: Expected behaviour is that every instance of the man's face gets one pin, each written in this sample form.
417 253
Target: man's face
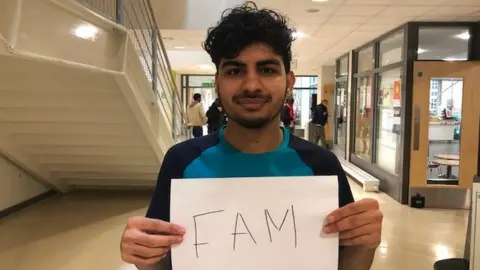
252 87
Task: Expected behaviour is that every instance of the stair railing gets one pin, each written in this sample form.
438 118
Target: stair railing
139 19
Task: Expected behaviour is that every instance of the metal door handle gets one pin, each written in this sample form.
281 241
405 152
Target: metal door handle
416 127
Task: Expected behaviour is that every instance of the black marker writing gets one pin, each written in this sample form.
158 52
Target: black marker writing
196 230
269 220
235 233
294 226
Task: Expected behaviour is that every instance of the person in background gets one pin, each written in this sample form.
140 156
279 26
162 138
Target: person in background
320 119
216 116
287 115
196 116
251 49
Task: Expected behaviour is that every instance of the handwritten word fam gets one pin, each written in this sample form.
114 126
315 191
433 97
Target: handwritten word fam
245 231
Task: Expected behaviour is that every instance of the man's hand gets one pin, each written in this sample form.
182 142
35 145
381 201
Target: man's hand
147 241
359 224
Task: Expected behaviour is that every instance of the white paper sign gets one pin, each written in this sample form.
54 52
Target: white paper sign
255 223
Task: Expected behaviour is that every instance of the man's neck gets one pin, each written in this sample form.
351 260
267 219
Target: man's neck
254 141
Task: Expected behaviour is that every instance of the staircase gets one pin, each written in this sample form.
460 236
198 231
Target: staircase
86 100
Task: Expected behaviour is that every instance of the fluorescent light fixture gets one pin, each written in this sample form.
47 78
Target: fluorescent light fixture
320 1
453 59
179 47
205 67
420 50
464 35
298 34
86 31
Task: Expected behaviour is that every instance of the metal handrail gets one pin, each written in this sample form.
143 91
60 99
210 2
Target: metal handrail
138 17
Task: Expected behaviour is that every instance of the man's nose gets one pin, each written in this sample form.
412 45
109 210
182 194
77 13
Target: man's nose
252 81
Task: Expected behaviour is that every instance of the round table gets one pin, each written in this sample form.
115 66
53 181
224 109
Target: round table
449 161
447 156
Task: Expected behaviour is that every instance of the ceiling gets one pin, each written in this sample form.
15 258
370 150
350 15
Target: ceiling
337 27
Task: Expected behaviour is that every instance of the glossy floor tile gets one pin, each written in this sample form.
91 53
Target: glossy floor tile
81 231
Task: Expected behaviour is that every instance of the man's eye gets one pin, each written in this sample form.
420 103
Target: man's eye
267 70
233 71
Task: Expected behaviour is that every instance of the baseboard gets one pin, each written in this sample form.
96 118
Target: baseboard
354 178
27 203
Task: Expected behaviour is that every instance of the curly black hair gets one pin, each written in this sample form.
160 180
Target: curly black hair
245 25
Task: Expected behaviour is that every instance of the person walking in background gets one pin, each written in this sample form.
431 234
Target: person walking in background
287 115
196 116
320 119
215 115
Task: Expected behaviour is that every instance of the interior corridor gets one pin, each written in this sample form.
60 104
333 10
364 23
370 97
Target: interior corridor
82 230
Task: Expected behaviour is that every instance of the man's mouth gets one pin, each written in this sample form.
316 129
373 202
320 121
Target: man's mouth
251 103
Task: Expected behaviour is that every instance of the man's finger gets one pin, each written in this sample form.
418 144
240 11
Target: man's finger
152 240
370 241
352 209
354 221
145 252
137 260
156 225
363 230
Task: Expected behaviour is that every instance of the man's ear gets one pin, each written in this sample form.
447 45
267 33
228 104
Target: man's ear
216 83
290 83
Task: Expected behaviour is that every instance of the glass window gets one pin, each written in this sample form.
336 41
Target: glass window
443 43
446 98
304 87
363 115
343 67
365 59
305 81
388 121
301 106
391 49
341 113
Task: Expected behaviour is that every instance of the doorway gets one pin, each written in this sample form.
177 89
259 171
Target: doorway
445 125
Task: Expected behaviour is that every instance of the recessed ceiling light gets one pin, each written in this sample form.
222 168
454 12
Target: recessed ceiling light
420 50
298 34
86 31
464 36
179 47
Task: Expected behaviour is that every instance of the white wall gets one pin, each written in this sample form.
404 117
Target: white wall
15 185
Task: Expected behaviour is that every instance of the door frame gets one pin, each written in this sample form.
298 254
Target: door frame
423 72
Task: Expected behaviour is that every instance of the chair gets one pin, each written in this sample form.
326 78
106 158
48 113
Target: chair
432 166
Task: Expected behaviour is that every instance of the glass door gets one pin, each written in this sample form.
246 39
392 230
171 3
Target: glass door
340 116
445 124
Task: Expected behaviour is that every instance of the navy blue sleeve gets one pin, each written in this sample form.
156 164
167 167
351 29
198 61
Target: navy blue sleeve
160 204
324 162
174 163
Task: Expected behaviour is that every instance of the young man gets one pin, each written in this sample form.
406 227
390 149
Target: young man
287 116
196 116
320 119
251 50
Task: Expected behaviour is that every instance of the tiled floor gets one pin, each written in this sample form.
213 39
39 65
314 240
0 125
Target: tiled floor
81 231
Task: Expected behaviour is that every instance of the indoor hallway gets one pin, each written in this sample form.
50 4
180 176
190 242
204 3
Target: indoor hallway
82 230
